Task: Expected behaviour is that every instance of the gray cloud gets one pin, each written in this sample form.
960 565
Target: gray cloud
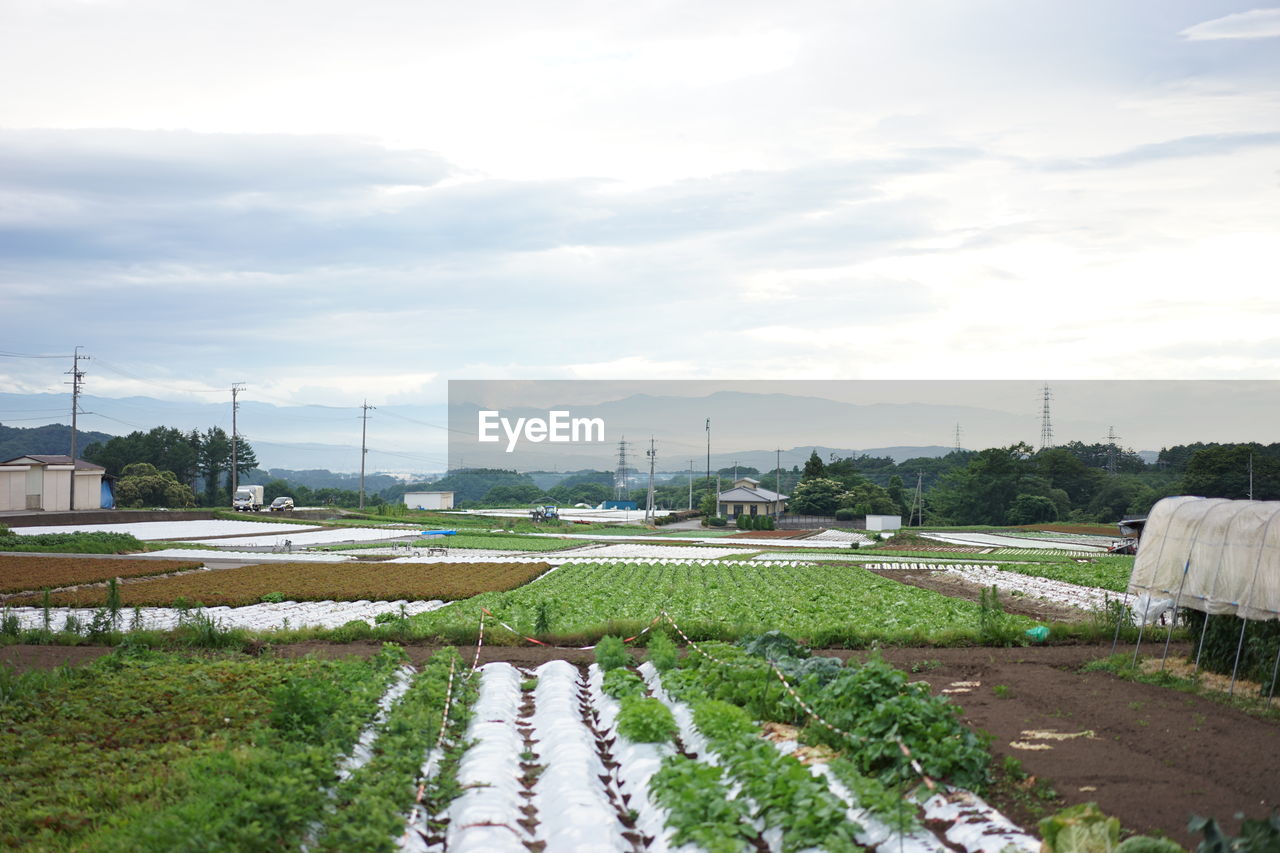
1200 145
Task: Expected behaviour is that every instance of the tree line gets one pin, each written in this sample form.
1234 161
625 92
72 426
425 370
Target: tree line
200 461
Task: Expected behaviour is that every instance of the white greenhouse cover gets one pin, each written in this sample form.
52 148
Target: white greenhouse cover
1228 550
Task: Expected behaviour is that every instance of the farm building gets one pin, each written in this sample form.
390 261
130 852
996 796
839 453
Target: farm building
44 483
428 500
747 498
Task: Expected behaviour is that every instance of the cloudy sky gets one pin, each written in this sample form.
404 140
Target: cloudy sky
332 201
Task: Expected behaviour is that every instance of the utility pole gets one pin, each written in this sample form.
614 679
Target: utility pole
1251 475
917 502
735 470
364 432
715 502
690 484
77 377
652 453
236 388
777 485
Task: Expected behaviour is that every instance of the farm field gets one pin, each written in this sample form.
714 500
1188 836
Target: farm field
695 750
19 573
265 616
824 604
312 582
302 537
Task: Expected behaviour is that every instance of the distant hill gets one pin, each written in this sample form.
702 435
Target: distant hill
319 478
48 440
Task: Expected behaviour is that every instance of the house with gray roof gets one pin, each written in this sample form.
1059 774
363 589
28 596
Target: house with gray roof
746 497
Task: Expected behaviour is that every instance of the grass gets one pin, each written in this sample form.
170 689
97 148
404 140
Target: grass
70 543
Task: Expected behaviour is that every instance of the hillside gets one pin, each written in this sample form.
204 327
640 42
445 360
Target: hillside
48 439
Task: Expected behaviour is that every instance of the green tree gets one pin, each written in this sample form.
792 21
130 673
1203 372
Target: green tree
816 496
1032 509
813 468
215 459
983 491
142 484
1223 472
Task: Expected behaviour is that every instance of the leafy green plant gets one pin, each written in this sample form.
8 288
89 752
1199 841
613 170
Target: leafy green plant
1081 828
646 721
620 683
612 653
274 598
701 810
661 652
1258 835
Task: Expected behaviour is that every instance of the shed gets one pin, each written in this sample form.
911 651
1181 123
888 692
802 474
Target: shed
428 500
884 522
39 482
1212 554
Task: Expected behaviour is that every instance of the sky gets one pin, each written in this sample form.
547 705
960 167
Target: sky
334 202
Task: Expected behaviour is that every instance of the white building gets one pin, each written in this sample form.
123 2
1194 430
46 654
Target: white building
44 483
884 522
428 500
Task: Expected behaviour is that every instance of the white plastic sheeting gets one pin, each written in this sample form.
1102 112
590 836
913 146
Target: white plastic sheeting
575 814
248 556
302 538
1045 589
637 762
996 541
152 530
974 826
1213 555
256 617
486 816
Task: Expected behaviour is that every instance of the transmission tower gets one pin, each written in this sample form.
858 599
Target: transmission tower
917 501
1046 425
620 476
77 380
1112 452
957 436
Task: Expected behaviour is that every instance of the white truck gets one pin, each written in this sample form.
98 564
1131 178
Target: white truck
247 499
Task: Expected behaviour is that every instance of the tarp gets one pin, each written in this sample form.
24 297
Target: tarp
1212 554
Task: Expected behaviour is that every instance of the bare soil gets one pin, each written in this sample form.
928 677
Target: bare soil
949 584
1152 756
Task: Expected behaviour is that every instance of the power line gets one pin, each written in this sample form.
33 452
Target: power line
5 354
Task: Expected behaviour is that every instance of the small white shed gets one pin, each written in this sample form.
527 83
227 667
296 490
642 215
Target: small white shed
884 522
428 500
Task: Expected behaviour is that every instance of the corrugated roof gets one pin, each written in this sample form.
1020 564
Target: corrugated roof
55 459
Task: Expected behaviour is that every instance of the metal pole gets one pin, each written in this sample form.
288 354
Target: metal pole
1119 620
716 501
691 484
364 431
235 439
1143 625
1174 621
653 457
1213 587
1274 669
777 486
76 376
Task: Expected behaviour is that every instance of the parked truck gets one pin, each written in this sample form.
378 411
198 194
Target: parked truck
247 499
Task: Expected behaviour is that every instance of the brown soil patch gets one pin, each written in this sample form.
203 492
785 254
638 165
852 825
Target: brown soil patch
948 584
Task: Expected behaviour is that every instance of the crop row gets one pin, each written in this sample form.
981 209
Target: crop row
821 602
19 573
313 582
152 752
